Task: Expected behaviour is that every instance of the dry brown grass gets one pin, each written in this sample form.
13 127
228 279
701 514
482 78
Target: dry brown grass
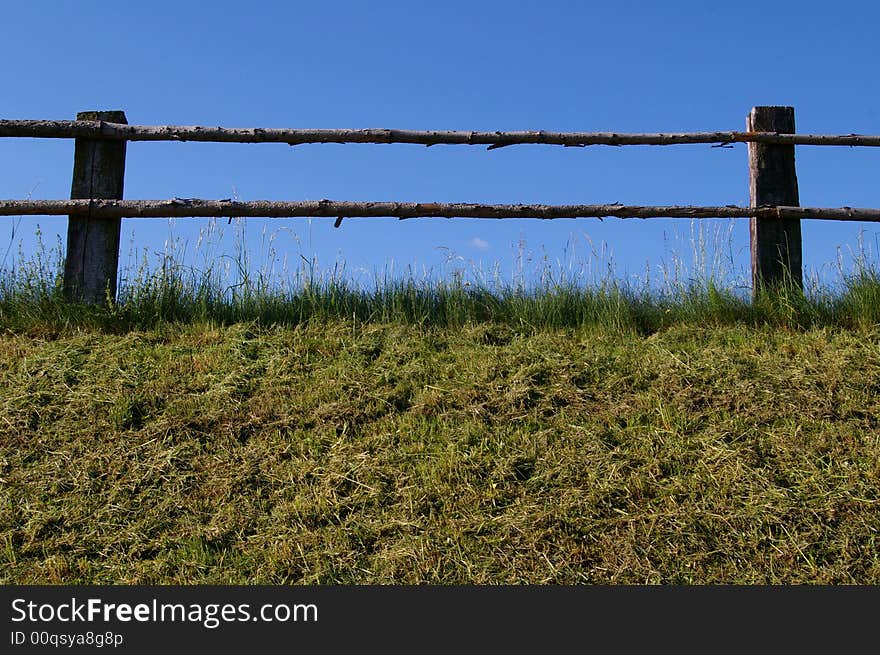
345 454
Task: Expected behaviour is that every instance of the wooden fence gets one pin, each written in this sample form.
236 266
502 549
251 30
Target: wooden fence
96 207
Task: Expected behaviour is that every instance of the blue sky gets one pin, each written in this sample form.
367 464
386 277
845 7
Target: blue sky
569 66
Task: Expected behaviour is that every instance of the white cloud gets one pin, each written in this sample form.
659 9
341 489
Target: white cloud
479 244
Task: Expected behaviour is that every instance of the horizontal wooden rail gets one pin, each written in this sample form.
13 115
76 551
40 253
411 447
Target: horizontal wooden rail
92 129
194 207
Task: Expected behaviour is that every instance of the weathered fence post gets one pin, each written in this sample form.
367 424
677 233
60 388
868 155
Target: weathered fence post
775 243
90 268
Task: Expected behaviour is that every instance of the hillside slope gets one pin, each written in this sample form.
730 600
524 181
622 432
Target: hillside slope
340 453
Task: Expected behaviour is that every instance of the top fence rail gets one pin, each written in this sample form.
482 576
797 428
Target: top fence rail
95 129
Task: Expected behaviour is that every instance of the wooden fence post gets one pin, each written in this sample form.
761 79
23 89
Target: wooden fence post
90 268
775 243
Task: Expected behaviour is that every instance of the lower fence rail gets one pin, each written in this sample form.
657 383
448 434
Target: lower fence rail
198 208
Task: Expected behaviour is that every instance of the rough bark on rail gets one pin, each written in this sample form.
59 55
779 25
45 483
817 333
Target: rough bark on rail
294 136
193 208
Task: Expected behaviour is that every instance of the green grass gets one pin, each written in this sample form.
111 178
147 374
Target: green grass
388 453
31 299
226 290
437 432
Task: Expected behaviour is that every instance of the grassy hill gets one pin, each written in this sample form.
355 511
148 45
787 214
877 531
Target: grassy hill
707 447
246 429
